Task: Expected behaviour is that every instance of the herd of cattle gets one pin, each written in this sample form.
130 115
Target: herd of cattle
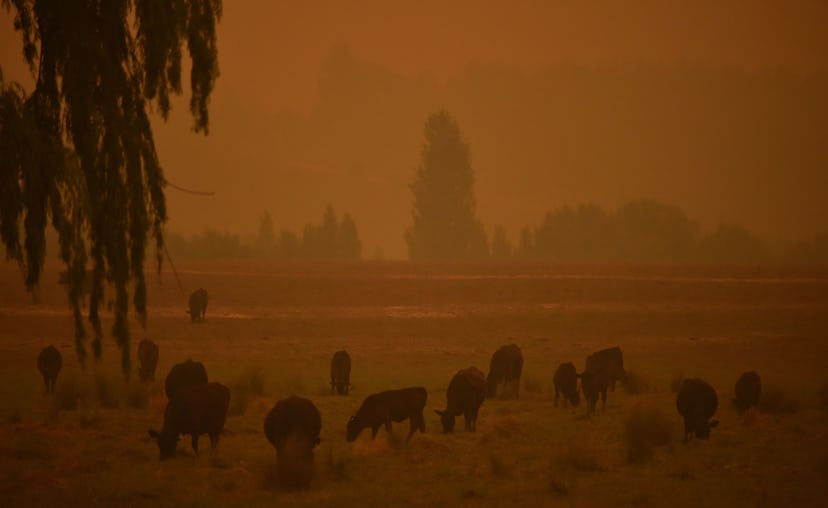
196 406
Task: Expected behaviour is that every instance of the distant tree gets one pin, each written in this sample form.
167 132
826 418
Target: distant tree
78 151
526 247
731 244
267 234
444 222
289 245
501 248
646 230
348 243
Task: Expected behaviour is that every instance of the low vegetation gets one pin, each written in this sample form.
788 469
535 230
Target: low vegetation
645 428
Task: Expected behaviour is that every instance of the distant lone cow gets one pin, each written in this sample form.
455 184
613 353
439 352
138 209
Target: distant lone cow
147 360
747 391
49 363
697 403
194 410
341 372
386 407
505 368
198 305
466 393
293 427
610 361
566 384
184 375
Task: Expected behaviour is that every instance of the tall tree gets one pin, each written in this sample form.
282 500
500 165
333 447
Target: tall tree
78 151
444 222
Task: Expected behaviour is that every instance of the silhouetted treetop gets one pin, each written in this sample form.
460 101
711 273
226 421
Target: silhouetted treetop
445 225
79 150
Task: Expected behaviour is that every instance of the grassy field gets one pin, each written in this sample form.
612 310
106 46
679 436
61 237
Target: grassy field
272 328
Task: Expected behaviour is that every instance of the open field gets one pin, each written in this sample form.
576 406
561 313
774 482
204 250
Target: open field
408 325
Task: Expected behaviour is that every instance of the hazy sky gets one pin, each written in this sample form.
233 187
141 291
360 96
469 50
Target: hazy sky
718 107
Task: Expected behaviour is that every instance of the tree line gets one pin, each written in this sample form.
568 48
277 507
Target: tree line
333 238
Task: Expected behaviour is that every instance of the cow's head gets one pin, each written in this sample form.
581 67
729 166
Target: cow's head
167 441
703 429
353 429
447 419
573 396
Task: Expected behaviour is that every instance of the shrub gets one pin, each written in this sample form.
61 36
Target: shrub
645 428
776 401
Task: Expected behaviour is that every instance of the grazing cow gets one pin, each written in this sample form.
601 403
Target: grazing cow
147 360
293 427
466 392
49 363
341 372
184 375
195 410
505 368
389 406
593 384
697 403
198 305
566 384
609 360
747 391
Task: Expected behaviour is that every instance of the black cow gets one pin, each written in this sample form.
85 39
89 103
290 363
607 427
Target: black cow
386 407
566 384
184 375
198 305
466 392
697 403
147 360
747 391
505 368
592 385
293 427
611 361
341 372
195 410
49 363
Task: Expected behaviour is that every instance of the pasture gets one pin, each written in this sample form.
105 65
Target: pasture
270 331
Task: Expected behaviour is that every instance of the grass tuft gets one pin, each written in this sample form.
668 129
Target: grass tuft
578 455
644 429
775 401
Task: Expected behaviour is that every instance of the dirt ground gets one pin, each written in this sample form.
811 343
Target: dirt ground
271 330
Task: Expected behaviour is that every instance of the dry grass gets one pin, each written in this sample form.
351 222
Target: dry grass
407 330
775 400
646 427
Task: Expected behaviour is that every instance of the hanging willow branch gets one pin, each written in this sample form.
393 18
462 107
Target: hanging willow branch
78 151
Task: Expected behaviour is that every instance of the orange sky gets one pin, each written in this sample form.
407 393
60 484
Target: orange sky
280 142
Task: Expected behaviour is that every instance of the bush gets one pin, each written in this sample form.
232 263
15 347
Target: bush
645 428
776 401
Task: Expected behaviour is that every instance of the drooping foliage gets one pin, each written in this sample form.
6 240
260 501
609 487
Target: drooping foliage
78 150
445 225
